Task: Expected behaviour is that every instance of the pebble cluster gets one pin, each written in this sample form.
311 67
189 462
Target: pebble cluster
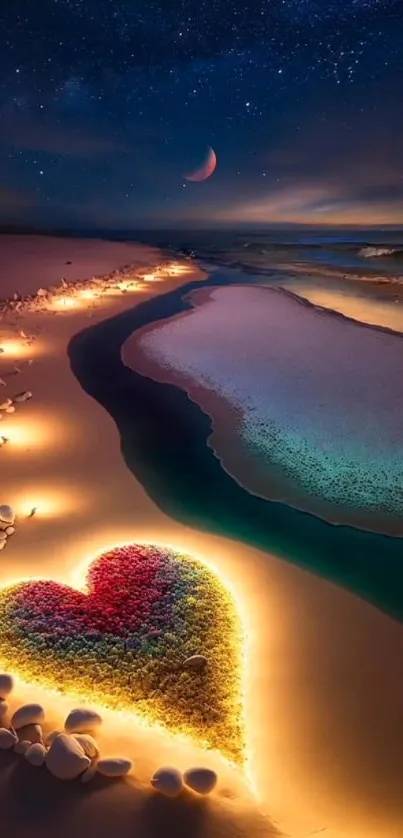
74 752
156 633
7 524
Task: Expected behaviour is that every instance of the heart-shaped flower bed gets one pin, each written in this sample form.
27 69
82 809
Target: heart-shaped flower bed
125 641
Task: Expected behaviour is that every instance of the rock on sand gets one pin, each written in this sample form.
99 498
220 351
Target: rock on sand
114 767
82 720
66 759
167 781
202 780
28 714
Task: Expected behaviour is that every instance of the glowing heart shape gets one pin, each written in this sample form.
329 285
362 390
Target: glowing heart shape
125 640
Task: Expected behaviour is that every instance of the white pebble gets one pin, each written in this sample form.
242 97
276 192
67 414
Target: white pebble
7 739
52 737
88 744
22 747
89 773
28 714
6 684
82 720
31 732
7 514
23 397
36 754
114 767
66 758
167 781
4 405
9 531
202 780
10 409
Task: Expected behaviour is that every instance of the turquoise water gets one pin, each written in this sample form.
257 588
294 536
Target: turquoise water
164 443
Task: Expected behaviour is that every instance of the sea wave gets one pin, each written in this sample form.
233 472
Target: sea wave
373 252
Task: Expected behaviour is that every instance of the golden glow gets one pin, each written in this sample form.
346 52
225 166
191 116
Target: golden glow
36 432
376 312
49 503
15 349
178 269
88 295
151 278
129 286
63 303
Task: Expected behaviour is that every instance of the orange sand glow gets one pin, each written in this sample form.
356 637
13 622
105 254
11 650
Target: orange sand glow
323 679
48 502
32 434
16 349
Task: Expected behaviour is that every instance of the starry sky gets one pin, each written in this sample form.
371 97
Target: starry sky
105 105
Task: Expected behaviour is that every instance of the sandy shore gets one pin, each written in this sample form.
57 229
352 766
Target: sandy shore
325 675
32 262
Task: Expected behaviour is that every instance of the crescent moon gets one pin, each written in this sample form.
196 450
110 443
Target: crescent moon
206 170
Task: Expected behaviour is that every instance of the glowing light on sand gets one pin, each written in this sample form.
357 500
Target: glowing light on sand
38 432
63 303
48 503
151 278
88 295
15 349
178 269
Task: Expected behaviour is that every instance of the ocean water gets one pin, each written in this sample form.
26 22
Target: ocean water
370 252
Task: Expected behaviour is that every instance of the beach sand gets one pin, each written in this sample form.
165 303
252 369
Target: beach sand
324 669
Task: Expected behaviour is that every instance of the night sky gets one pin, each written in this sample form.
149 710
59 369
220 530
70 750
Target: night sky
105 105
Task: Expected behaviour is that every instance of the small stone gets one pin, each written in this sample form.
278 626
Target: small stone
66 758
52 737
5 404
20 398
6 684
10 409
33 733
7 739
202 780
88 744
82 720
114 767
22 747
196 662
89 773
9 531
28 714
167 781
7 514
2 545
36 754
